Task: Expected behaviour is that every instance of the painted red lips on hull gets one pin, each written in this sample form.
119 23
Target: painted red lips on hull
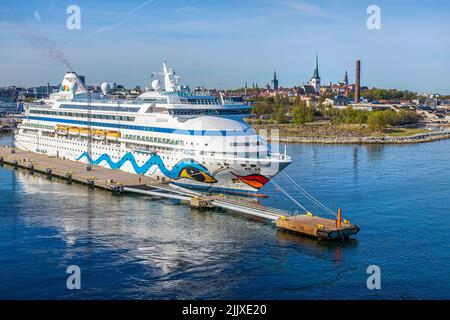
256 181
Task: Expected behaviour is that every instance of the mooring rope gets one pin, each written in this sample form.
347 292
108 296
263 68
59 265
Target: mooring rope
307 194
288 195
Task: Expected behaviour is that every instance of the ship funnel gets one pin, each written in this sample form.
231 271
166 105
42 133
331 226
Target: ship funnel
71 83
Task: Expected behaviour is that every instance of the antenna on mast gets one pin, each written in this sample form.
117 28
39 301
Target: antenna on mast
171 81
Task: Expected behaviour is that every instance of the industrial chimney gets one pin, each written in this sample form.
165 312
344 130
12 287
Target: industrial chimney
357 81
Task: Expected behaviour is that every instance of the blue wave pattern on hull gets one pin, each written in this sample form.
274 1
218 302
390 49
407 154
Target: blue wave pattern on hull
154 160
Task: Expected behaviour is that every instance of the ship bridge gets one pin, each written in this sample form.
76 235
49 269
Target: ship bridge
179 101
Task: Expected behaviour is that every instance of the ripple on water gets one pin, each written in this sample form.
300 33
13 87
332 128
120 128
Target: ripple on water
133 247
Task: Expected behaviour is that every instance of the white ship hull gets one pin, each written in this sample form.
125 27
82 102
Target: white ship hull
224 174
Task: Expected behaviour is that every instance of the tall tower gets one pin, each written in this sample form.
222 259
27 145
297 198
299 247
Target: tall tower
315 80
357 81
275 81
346 84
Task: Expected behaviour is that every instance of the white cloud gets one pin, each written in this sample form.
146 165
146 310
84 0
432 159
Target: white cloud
306 8
125 19
37 16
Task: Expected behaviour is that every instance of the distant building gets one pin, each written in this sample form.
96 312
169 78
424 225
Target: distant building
371 106
38 92
344 82
275 81
315 80
310 100
340 101
8 108
8 95
308 90
431 103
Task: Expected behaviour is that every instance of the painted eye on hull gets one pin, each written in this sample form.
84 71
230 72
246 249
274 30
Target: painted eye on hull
197 175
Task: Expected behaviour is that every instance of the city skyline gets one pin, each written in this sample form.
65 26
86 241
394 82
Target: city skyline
125 42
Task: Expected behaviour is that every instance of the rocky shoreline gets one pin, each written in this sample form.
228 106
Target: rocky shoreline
348 135
419 138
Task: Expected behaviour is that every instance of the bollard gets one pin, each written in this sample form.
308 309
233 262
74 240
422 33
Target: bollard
90 182
338 219
68 176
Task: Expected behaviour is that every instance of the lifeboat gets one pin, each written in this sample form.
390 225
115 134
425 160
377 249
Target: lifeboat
113 135
85 132
61 130
74 131
99 134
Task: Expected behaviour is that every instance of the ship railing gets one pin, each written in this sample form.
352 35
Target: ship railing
112 101
215 103
279 156
38 105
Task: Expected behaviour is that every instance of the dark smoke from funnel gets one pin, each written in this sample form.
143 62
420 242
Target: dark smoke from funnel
48 47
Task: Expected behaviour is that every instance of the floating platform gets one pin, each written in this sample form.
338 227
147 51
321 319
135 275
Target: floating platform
120 181
317 227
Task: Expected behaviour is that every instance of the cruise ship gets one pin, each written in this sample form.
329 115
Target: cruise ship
169 133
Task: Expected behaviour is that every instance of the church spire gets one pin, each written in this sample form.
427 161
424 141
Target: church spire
346 78
315 80
316 69
275 81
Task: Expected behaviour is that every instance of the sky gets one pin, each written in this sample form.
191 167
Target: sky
224 43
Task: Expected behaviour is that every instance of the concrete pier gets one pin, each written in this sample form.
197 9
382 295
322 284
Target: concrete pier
105 178
120 181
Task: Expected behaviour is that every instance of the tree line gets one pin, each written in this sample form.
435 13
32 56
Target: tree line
385 94
285 110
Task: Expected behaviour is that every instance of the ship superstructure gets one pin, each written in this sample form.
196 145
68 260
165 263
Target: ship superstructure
170 133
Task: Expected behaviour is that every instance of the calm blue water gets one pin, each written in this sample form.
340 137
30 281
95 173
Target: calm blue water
135 247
